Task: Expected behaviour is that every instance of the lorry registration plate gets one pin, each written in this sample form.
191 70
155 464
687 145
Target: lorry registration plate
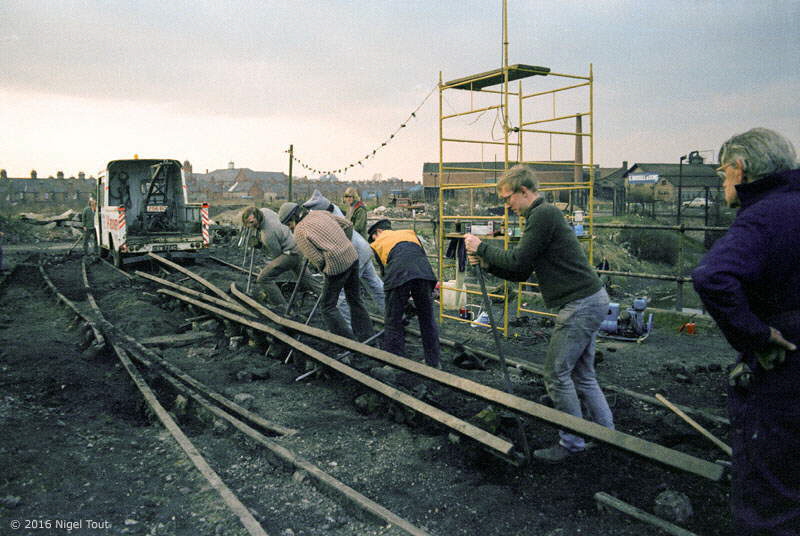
156 208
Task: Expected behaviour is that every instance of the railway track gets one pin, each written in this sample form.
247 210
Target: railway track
240 321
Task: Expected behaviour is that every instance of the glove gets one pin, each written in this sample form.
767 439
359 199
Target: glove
740 376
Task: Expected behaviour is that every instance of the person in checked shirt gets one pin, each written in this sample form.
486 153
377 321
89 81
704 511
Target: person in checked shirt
325 240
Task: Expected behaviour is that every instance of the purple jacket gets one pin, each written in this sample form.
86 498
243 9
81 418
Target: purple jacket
752 274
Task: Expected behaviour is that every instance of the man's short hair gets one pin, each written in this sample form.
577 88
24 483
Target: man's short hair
378 225
517 177
252 211
764 152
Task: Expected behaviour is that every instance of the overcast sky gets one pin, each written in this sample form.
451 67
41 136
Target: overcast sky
83 82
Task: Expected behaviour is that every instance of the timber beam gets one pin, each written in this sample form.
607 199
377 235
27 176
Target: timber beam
633 444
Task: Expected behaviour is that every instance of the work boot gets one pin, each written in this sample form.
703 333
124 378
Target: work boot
554 454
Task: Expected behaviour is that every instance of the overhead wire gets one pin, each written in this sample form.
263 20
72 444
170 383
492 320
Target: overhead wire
343 169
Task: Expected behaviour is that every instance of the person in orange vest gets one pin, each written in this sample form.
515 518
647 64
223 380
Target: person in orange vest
407 274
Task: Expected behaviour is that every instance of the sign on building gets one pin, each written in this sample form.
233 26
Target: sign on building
643 178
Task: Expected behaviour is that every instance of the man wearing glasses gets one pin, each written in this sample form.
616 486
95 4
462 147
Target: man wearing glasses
569 285
750 284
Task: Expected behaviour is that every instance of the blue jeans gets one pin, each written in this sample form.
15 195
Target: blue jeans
569 374
374 285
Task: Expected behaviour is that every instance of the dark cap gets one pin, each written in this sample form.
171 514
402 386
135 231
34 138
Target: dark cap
380 224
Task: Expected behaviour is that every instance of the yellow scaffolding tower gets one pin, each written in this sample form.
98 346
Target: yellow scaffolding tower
471 177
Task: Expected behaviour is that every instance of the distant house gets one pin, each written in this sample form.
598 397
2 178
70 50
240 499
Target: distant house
24 194
671 183
660 183
490 172
250 186
236 183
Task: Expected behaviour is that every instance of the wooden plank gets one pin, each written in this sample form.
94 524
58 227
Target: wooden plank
178 339
491 441
253 527
213 288
618 439
708 435
628 509
539 371
198 294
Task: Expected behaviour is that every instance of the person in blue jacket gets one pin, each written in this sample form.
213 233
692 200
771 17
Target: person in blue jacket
750 284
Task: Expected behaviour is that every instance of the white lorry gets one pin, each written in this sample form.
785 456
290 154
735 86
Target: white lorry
143 206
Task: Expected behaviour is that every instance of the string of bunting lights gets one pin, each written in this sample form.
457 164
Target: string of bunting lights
391 137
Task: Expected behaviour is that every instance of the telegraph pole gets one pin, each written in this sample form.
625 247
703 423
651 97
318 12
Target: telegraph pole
291 160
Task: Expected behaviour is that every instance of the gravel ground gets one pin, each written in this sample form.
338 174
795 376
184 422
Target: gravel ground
80 445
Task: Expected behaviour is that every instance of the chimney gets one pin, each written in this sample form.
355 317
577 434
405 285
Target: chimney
578 176
60 175
230 165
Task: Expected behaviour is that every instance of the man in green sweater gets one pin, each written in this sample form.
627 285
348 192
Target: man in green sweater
569 285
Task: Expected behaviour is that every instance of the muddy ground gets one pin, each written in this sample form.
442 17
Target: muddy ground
77 443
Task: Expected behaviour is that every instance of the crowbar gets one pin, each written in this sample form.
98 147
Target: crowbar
338 357
308 320
296 286
487 306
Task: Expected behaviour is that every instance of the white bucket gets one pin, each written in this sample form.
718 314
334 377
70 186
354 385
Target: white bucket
451 298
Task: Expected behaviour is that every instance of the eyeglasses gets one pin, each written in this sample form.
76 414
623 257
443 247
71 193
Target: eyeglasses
347 195
721 171
505 198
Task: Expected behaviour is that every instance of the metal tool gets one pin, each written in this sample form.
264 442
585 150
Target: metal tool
73 245
242 236
487 306
308 320
297 286
338 357
247 235
250 270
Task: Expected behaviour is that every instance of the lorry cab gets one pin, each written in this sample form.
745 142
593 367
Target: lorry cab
143 206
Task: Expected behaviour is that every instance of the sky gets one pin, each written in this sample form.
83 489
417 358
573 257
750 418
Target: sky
212 82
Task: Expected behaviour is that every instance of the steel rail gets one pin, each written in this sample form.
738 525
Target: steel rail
230 499
624 441
501 446
139 350
621 440
539 371
322 480
191 274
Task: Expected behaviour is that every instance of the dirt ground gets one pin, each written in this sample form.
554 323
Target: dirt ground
78 446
